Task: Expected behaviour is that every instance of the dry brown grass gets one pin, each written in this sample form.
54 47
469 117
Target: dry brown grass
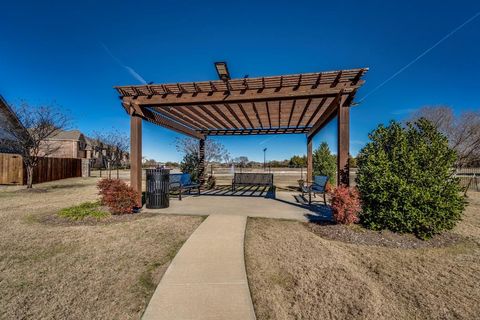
63 271
295 274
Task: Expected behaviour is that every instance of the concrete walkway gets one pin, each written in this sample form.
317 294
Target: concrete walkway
285 206
207 278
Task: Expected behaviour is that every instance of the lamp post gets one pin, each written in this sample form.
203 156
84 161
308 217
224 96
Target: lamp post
264 158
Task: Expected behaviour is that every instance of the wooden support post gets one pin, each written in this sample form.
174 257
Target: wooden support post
201 157
309 160
343 131
136 155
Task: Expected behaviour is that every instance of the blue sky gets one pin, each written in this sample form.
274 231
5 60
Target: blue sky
75 54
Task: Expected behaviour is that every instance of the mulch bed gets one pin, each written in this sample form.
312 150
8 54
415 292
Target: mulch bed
357 234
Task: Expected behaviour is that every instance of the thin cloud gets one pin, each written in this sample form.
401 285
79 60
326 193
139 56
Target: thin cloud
130 70
266 140
403 111
135 74
436 44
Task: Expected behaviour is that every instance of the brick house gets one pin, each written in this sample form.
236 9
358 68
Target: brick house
68 144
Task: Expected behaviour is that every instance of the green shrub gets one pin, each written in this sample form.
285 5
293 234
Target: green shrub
83 210
325 163
406 182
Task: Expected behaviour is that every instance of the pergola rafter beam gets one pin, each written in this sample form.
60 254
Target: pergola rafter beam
222 114
191 115
242 109
327 115
267 107
317 109
179 118
256 114
291 112
234 114
307 105
217 119
163 121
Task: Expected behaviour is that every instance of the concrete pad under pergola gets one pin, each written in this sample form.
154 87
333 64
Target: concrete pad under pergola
288 104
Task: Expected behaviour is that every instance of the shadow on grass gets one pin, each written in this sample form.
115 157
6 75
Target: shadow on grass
243 191
321 213
66 186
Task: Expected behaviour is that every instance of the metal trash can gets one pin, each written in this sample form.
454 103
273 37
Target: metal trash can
156 196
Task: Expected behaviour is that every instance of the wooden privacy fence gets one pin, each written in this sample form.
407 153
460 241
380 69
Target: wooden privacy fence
50 169
12 170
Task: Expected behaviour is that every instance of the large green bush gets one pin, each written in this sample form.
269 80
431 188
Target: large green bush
406 181
324 163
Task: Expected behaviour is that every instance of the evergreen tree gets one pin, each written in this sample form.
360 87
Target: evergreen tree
190 164
325 163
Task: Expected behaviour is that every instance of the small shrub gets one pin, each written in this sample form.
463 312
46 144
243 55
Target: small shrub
83 210
117 196
405 178
345 204
105 185
211 182
329 188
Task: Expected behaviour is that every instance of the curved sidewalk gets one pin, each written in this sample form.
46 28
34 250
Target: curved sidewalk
207 278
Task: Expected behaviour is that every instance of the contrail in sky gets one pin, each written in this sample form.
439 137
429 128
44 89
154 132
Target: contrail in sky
130 70
266 140
448 35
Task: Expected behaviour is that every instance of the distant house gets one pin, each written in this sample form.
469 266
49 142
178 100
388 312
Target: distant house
96 152
67 144
8 121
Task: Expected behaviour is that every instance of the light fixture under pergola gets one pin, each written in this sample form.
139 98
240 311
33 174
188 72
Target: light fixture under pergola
287 104
222 70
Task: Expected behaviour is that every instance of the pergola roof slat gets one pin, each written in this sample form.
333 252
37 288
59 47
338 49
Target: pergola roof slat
296 103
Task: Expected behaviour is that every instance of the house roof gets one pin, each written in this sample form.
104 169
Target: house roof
67 135
91 143
7 114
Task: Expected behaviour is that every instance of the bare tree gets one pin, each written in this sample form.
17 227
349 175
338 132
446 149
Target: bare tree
242 161
463 132
214 150
31 140
114 145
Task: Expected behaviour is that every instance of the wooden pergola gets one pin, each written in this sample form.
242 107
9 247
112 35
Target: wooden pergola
288 104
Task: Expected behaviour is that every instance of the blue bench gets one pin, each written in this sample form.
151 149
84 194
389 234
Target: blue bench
182 181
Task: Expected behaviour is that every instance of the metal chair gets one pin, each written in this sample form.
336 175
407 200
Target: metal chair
318 186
